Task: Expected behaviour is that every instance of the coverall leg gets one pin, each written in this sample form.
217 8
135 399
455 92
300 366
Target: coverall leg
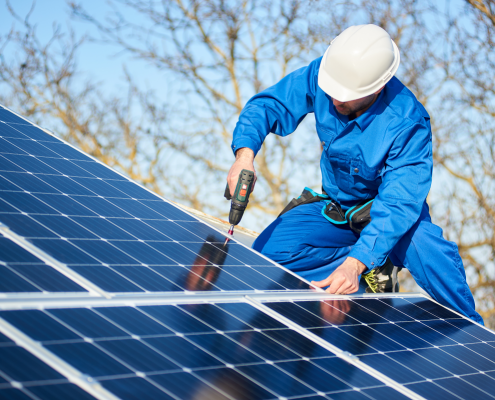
303 241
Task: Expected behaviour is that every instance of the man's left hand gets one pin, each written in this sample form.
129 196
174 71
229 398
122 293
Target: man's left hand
344 280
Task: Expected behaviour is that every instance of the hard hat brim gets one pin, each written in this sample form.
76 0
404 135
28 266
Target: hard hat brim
341 93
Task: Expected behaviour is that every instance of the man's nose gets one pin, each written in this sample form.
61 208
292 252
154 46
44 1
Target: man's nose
337 103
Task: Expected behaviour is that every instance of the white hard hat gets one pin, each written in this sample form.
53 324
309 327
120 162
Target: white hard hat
358 62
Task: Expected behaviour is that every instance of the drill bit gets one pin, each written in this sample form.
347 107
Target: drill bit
231 233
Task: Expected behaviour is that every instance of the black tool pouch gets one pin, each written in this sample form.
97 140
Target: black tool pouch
359 216
306 197
333 213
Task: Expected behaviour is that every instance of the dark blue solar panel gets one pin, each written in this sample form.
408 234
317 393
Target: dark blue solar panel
107 278
103 172
87 323
214 348
99 187
134 321
65 151
104 227
25 226
12 282
62 391
33 205
21 366
12 253
7 165
44 277
7 147
66 167
147 278
407 343
183 384
89 359
10 131
63 251
113 225
125 239
141 229
7 116
39 381
137 388
32 147
26 163
27 182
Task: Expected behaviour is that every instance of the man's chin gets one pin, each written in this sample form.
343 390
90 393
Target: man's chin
343 111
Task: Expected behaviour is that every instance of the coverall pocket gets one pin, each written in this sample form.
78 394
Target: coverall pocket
364 178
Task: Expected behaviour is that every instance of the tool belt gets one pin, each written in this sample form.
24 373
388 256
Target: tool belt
357 217
307 196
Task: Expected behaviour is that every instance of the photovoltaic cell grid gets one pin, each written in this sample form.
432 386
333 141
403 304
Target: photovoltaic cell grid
21 271
125 239
110 230
200 351
423 346
25 377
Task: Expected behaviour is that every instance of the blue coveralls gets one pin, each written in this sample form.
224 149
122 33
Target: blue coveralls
386 154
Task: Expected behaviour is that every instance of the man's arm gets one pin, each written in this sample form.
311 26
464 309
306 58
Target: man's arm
278 109
405 185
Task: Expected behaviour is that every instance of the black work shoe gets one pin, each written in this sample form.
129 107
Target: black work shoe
382 279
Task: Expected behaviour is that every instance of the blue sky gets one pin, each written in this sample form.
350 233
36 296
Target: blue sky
95 60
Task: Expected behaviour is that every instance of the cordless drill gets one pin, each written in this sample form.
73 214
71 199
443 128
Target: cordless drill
241 197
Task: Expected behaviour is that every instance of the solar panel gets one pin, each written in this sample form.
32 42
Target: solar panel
214 350
25 377
23 272
418 344
108 291
111 231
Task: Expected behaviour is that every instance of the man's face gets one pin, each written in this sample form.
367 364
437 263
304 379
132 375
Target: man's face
354 106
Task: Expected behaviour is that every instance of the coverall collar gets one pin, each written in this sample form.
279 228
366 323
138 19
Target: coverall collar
365 119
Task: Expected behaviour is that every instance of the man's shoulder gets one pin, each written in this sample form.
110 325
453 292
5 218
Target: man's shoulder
403 104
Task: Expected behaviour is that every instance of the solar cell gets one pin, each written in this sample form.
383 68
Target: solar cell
21 271
23 376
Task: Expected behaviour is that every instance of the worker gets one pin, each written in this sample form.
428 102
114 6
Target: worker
376 142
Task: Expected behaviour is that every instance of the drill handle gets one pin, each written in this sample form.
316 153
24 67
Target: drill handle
243 188
227 193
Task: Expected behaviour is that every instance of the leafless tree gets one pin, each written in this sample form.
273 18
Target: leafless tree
215 54
41 82
465 146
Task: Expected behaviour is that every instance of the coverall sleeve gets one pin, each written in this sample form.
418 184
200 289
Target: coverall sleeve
405 185
278 109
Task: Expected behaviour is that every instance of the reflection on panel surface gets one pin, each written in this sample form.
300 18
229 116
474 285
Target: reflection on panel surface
413 341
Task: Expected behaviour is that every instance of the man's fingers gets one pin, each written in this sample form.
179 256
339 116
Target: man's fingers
324 282
338 286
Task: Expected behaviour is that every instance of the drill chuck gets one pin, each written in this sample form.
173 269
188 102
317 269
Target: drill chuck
236 212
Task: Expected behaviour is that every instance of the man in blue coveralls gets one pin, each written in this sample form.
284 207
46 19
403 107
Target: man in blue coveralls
376 140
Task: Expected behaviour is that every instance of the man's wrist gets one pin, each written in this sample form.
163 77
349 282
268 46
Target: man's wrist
244 153
360 267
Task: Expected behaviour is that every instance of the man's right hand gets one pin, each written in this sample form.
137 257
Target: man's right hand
244 159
